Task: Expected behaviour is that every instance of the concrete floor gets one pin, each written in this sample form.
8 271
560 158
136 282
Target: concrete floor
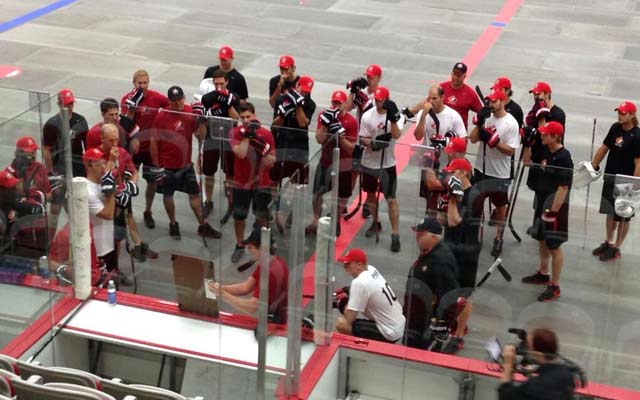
586 49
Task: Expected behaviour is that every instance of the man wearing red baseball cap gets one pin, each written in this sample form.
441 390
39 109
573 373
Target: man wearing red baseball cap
336 127
281 83
362 88
552 210
369 295
500 138
623 145
458 95
9 191
237 84
504 84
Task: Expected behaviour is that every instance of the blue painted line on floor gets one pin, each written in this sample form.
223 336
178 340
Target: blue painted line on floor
23 19
498 24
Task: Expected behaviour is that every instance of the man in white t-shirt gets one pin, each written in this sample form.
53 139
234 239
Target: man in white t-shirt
371 296
101 193
493 170
379 129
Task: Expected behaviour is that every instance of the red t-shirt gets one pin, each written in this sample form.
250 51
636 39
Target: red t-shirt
60 252
462 100
94 138
278 287
35 177
124 163
250 172
145 114
350 126
174 133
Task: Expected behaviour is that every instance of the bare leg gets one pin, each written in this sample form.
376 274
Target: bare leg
371 203
170 207
545 257
463 318
209 184
500 215
133 229
611 228
238 226
149 194
196 207
623 229
394 215
557 260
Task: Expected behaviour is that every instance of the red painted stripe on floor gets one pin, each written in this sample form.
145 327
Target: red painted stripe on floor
350 229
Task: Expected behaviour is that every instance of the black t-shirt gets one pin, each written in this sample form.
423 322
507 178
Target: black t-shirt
237 84
293 136
273 84
515 110
624 148
556 114
464 238
52 137
556 170
437 269
554 381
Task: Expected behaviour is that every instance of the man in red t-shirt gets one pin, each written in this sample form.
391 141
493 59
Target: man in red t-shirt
127 129
278 285
332 123
141 105
60 254
173 131
255 154
460 96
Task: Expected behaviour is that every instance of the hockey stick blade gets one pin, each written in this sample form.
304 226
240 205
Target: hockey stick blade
487 274
505 274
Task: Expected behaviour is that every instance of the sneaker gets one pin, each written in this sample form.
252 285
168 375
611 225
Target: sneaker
148 220
373 229
124 280
207 208
537 279
610 254
146 250
137 253
601 249
207 230
453 345
174 231
366 212
237 253
552 292
395 243
496 250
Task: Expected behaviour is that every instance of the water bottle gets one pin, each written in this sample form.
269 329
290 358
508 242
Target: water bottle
111 293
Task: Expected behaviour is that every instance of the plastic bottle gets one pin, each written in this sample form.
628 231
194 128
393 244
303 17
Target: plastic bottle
111 293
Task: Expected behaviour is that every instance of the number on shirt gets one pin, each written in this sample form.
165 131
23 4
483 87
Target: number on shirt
388 293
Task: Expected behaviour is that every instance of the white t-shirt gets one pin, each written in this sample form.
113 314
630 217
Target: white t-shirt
103 235
450 121
371 295
497 164
372 124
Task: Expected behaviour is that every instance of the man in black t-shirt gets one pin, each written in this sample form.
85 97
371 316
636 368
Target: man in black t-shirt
237 84
552 209
623 145
280 84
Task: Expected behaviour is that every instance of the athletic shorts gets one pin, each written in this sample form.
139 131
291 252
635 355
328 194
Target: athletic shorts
367 329
181 180
259 199
607 200
284 169
210 160
145 160
384 180
553 235
109 260
496 189
322 182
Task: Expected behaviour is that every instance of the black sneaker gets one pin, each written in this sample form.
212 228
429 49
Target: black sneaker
395 243
207 230
496 250
137 253
207 207
237 253
174 231
601 249
148 220
373 229
146 250
552 292
366 212
344 211
610 253
124 280
537 279
453 345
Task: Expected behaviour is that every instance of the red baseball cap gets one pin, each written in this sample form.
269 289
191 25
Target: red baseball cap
540 87
626 107
66 97
552 128
339 96
93 154
7 179
373 70
225 53
306 84
499 95
381 93
458 163
456 145
26 144
501 83
286 61
354 255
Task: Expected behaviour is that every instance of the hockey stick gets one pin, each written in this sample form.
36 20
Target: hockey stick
353 212
514 196
376 220
202 186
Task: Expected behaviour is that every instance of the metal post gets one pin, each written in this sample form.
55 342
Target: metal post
323 282
294 319
263 310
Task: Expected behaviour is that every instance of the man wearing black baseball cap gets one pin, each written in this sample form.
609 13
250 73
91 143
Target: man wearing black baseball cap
460 96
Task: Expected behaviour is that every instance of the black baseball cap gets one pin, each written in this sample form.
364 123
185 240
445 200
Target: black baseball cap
429 224
175 93
460 66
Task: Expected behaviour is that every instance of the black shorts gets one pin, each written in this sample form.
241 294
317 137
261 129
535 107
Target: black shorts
367 329
145 160
259 199
447 306
322 182
120 223
181 180
384 180
210 158
109 260
496 189
555 235
284 169
607 200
